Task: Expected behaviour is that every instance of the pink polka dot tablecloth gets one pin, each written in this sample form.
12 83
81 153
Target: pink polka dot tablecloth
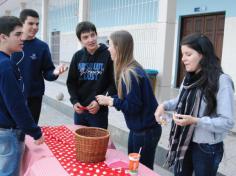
60 141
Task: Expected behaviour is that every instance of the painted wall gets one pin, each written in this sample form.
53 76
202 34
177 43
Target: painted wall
104 14
150 46
145 39
186 7
110 13
69 44
145 42
229 47
63 18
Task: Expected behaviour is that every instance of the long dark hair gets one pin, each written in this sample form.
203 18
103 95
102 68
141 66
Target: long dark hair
210 67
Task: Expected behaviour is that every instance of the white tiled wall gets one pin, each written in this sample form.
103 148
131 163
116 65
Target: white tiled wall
68 46
145 39
229 48
145 42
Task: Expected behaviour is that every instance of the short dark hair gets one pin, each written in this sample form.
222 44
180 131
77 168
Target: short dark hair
28 12
83 27
8 24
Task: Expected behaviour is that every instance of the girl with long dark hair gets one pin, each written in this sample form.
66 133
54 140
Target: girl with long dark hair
204 111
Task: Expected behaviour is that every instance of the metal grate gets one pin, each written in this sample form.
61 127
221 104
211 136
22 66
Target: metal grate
63 15
107 13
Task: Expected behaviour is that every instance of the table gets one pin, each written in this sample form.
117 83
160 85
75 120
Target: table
40 161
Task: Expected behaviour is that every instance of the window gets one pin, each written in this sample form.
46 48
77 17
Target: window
106 13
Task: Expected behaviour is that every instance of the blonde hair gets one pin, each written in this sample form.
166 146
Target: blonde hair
124 64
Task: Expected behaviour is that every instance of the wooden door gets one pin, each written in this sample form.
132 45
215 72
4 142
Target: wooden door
211 25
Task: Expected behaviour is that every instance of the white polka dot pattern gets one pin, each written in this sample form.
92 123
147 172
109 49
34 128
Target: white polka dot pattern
60 141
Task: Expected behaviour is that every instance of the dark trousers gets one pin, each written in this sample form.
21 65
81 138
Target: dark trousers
148 140
92 120
35 104
202 159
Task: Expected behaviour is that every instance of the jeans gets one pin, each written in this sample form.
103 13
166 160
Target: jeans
202 159
92 120
148 140
11 150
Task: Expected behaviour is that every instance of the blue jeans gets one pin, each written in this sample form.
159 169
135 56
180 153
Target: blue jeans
11 150
148 140
92 120
202 159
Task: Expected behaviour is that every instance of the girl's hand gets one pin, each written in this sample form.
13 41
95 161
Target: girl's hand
93 107
104 100
184 120
159 112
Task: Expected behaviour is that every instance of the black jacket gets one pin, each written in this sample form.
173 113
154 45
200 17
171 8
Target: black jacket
90 75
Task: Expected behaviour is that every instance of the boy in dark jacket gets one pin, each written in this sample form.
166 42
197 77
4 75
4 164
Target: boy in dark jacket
15 117
90 74
35 62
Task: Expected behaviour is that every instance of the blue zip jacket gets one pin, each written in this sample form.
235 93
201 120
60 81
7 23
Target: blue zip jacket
14 112
36 66
139 105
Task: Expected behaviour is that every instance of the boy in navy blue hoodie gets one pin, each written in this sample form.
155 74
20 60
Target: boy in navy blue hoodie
15 117
35 62
90 74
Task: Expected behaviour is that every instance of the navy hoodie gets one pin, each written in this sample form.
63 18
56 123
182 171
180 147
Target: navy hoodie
36 66
14 112
90 75
139 105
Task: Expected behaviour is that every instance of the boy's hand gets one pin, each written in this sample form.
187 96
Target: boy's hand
77 108
93 107
60 69
39 141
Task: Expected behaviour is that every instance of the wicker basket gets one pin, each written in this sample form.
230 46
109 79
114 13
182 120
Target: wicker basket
91 144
